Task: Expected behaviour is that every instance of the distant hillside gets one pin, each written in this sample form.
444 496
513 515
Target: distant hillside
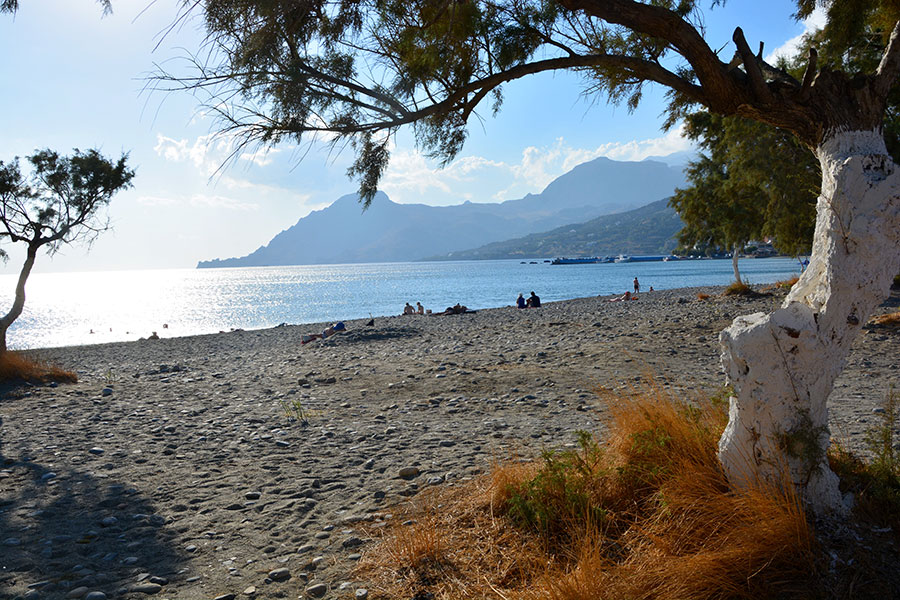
650 229
387 231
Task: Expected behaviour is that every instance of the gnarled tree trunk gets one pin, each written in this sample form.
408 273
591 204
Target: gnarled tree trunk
19 301
783 365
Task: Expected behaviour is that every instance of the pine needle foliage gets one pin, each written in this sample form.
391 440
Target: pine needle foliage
645 514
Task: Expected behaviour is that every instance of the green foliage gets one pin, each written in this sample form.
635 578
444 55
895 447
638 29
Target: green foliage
751 181
59 202
880 440
357 71
875 484
293 409
562 490
803 441
11 6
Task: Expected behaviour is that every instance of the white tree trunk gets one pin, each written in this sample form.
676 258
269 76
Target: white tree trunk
783 365
734 263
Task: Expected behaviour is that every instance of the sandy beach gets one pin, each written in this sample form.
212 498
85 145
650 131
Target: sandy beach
172 468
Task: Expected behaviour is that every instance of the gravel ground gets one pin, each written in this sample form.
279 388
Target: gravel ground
173 467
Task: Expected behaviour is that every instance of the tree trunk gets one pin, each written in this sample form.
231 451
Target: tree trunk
734 264
19 301
783 365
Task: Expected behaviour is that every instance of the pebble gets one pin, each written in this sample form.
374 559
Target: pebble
95 596
361 594
146 588
317 590
279 574
96 450
409 472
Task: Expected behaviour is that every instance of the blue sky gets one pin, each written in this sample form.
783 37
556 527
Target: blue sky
71 79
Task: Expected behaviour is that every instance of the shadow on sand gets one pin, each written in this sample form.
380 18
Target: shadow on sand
62 529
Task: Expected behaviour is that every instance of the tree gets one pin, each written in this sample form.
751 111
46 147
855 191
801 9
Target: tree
751 181
59 203
11 6
357 71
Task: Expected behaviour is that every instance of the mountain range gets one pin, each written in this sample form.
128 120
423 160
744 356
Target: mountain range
650 229
388 231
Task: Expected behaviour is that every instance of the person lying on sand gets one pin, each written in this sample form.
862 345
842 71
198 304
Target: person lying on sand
335 328
455 310
625 296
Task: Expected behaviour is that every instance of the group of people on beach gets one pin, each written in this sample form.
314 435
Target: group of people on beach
533 301
418 309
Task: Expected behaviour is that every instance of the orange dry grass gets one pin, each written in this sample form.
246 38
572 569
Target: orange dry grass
787 283
888 320
702 296
456 548
670 527
16 366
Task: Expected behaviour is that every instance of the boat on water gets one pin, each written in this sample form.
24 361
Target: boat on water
581 260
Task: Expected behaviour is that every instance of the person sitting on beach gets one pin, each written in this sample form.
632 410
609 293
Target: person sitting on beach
408 309
330 331
625 296
420 310
533 301
520 302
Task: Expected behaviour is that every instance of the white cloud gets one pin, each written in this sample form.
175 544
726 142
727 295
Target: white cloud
260 158
410 171
789 49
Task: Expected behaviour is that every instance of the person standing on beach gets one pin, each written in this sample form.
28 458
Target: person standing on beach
637 286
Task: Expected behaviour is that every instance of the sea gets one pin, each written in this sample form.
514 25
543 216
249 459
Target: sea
64 309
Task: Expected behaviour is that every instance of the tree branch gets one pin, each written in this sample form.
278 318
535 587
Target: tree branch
721 91
754 73
889 67
809 75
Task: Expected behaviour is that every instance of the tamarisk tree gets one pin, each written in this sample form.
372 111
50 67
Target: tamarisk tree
750 181
357 71
59 203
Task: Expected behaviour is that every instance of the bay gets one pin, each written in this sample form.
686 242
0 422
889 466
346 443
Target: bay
96 307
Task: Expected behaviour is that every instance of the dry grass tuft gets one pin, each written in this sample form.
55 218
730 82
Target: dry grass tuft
787 283
888 320
739 288
701 296
456 548
647 514
18 366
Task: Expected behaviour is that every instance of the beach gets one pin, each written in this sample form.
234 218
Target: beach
244 464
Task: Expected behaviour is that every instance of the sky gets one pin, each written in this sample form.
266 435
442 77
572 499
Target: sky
72 78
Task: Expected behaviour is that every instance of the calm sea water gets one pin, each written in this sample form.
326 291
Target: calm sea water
65 308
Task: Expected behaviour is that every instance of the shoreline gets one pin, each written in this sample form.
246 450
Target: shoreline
172 466
129 305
